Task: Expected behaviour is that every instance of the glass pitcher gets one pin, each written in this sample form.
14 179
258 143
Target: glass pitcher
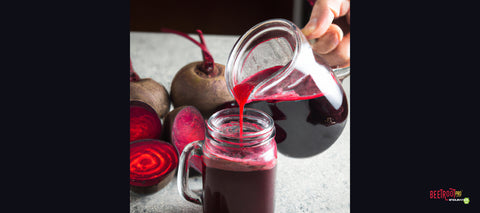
302 94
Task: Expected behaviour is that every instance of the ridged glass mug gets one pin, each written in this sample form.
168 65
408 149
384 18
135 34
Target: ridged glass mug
238 171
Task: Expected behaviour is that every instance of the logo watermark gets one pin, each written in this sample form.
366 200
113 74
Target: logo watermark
451 195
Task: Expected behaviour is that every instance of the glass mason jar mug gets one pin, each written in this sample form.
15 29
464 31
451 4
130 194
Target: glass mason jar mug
238 171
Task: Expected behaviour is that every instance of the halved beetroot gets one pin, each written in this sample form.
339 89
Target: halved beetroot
152 165
188 126
144 122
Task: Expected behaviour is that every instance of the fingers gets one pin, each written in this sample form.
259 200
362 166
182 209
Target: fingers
339 56
329 40
323 13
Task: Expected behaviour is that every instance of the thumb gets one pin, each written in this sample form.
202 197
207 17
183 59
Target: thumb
323 13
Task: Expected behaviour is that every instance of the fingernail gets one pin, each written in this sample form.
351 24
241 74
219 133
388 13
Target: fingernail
310 27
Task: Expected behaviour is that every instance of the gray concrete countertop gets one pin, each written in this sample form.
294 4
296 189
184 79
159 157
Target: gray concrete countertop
317 184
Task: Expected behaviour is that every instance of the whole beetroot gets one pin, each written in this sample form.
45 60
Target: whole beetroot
201 83
150 92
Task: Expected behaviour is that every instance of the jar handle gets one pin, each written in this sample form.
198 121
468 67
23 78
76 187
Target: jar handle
194 148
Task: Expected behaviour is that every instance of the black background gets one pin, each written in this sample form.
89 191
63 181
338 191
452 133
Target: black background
188 15
414 111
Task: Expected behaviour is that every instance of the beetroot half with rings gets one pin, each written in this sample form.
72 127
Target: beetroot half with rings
153 164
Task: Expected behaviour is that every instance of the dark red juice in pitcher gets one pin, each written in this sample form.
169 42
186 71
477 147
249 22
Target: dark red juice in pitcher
305 126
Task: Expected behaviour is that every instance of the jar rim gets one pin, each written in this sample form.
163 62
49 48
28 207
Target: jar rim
248 139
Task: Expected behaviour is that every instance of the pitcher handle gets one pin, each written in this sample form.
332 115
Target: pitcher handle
194 148
342 72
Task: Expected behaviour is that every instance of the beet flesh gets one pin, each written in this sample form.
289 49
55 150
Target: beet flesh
152 165
144 122
168 123
188 126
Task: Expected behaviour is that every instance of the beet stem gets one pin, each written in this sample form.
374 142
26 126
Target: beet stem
208 62
133 75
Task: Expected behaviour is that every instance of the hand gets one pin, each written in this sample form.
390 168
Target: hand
329 39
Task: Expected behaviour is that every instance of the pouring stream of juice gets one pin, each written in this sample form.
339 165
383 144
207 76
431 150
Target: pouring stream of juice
243 90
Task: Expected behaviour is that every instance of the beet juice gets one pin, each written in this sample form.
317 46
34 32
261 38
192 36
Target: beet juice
305 126
239 169
233 190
